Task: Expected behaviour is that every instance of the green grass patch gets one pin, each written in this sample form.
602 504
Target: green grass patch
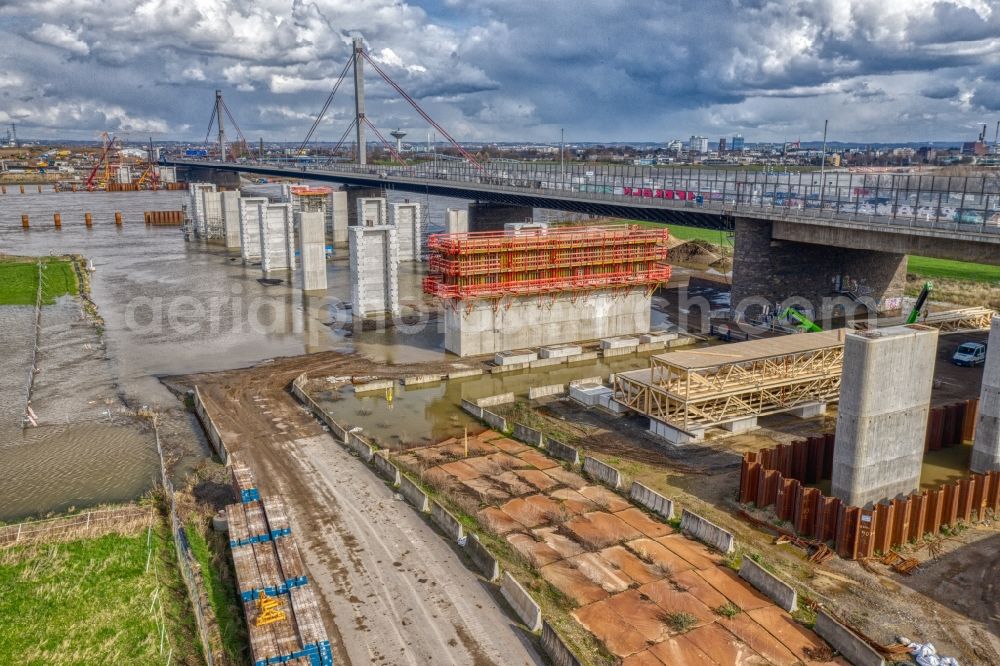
19 281
954 270
209 550
728 609
89 602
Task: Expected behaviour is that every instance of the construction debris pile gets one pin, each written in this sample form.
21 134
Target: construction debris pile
283 617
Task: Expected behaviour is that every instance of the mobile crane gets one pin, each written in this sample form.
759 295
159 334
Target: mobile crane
921 299
805 322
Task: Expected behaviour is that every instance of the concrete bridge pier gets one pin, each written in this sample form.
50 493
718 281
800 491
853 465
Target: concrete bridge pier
355 192
986 449
827 281
493 217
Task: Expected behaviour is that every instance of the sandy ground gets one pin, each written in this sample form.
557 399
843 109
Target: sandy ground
393 590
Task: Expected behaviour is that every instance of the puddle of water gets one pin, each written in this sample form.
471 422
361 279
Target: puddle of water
424 414
52 468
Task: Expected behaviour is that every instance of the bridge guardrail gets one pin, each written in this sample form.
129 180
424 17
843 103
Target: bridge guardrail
950 203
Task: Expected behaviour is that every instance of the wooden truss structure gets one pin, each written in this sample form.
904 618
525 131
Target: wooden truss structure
693 390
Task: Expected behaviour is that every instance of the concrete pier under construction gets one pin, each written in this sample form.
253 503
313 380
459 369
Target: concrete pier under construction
986 449
885 396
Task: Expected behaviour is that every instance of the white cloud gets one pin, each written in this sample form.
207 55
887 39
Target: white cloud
62 37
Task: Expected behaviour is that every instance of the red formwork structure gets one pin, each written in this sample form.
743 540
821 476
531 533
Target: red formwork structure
545 260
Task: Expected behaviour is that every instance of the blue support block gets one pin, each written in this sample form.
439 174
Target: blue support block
249 495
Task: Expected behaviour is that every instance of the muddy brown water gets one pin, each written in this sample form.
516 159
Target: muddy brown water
170 307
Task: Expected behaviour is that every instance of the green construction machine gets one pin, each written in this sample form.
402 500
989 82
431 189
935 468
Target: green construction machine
805 323
919 305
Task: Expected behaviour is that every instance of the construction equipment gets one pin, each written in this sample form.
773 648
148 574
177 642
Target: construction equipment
918 306
807 324
270 610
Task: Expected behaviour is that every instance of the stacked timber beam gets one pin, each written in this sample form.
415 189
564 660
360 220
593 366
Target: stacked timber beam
270 574
702 388
779 476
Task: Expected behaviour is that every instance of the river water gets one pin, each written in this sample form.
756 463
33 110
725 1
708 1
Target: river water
170 307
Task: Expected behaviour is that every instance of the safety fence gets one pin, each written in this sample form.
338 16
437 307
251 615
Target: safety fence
208 631
779 477
86 525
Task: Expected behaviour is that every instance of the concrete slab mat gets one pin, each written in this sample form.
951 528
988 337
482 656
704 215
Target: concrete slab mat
642 522
571 582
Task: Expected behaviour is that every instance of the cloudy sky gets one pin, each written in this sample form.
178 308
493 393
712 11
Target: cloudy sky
605 70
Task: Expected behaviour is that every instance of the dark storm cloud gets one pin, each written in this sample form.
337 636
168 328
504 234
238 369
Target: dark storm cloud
506 69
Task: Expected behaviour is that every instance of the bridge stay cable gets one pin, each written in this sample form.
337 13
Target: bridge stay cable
326 105
388 145
343 138
472 160
239 132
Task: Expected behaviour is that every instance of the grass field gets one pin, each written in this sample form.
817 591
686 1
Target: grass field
221 589
923 267
88 602
19 280
954 270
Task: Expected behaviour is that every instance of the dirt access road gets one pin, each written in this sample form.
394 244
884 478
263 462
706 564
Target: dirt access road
393 590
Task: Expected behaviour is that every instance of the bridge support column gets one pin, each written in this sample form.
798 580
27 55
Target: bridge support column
355 192
885 397
986 450
827 281
492 217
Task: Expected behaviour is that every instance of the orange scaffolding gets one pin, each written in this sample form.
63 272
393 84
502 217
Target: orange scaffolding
495 264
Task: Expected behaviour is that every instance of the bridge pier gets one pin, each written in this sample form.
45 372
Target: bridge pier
827 281
493 216
355 192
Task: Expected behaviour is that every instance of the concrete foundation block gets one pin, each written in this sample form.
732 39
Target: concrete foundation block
559 351
851 646
581 358
673 435
545 362
656 337
535 321
620 342
526 609
809 411
882 415
986 446
741 425
515 357
620 351
587 394
607 401
770 585
707 532
650 346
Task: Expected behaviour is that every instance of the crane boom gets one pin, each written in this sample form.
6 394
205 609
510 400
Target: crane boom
919 304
